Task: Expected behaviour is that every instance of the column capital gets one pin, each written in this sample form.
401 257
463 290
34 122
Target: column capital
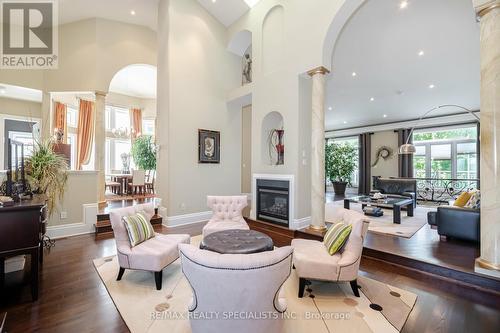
483 7
101 93
318 70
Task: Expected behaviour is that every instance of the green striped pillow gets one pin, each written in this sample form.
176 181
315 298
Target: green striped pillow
139 229
336 236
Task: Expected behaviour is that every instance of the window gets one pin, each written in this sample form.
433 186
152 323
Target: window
353 141
446 153
72 129
72 116
117 118
148 126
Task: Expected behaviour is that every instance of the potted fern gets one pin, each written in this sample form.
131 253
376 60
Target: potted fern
340 162
46 172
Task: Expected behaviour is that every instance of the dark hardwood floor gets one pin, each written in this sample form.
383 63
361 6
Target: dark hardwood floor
73 298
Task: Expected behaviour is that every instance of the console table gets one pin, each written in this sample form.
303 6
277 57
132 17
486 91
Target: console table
21 226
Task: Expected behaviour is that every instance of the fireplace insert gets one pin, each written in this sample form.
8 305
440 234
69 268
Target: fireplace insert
273 198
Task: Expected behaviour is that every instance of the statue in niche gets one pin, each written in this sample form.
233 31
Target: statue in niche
247 69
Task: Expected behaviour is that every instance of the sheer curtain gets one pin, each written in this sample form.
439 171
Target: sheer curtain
60 118
86 125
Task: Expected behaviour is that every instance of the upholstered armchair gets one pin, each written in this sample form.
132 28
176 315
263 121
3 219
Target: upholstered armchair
226 213
226 284
313 262
152 255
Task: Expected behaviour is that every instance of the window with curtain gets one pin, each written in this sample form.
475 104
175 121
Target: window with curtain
117 137
446 152
353 141
72 128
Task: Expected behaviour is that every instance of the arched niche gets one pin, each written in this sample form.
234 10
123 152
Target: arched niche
271 122
240 42
273 31
137 78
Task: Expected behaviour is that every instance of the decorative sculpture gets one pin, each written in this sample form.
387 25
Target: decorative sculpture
125 163
247 69
383 152
276 146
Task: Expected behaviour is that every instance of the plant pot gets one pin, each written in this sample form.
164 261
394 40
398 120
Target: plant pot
339 187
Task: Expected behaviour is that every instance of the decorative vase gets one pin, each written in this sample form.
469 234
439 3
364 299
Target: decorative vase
280 147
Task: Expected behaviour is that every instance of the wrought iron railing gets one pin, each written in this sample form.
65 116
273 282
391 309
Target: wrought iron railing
443 189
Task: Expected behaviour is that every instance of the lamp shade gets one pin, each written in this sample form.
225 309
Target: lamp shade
407 148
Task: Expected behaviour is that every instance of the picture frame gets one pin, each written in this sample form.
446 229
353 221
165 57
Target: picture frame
208 146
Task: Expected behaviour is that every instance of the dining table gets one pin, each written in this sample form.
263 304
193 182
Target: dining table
123 179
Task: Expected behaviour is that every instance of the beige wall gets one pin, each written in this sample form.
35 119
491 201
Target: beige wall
80 190
200 74
20 108
246 149
389 167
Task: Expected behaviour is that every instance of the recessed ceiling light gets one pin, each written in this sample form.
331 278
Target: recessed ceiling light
132 12
431 86
2 91
385 116
330 108
372 99
345 122
214 1
354 74
403 4
421 53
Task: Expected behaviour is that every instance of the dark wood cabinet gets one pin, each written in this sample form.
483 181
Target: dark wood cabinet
21 229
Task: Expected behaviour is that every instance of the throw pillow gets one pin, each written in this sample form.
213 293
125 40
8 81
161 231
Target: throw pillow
139 228
336 237
462 199
474 201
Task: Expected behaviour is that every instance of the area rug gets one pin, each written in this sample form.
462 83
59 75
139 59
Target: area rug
332 307
383 224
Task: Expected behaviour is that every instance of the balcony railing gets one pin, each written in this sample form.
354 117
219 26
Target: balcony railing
443 189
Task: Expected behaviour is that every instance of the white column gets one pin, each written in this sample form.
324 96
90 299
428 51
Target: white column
100 145
318 149
162 105
489 13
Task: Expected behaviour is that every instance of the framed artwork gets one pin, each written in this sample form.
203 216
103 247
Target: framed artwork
208 146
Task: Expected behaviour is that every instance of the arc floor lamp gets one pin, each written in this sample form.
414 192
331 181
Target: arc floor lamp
409 149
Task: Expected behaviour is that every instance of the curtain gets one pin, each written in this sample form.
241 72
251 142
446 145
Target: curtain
405 161
60 118
136 120
86 125
365 152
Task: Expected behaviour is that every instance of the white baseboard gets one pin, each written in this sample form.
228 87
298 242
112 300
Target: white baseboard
68 230
300 223
75 229
178 220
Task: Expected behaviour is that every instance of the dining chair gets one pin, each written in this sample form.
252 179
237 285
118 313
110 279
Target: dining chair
150 181
138 181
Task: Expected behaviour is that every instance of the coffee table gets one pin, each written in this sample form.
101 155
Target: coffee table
236 241
390 202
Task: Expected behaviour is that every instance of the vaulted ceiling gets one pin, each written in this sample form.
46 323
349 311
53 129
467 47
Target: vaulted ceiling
393 64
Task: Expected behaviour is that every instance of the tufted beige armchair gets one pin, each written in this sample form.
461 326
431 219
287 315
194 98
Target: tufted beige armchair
313 262
227 213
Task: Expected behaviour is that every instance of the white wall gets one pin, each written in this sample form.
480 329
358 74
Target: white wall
201 71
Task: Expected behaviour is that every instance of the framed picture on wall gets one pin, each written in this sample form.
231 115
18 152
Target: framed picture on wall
208 146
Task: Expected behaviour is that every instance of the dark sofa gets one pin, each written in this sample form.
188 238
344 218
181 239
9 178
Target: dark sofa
396 187
456 222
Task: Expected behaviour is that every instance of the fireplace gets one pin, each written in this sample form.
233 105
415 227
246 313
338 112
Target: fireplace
273 200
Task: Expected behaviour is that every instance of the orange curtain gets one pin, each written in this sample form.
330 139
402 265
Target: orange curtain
86 125
60 118
136 122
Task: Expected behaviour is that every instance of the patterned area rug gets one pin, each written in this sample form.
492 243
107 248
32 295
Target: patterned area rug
383 224
326 307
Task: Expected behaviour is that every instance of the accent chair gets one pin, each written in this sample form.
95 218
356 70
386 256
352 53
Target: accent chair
233 284
153 254
313 262
226 213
